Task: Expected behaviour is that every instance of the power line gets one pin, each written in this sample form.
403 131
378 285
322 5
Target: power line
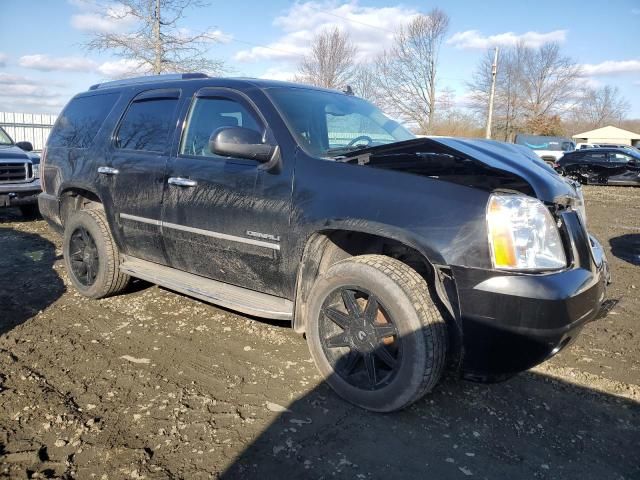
351 20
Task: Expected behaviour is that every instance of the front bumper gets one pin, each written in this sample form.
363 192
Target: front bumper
512 322
16 194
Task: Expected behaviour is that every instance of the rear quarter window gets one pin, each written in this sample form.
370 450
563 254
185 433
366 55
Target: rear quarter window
78 124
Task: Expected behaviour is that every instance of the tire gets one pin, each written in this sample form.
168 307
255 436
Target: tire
104 277
405 306
29 211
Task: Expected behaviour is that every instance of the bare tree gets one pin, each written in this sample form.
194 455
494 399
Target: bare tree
408 71
156 44
451 120
549 80
331 63
601 106
365 84
534 87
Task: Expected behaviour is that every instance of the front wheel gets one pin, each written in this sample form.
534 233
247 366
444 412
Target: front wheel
375 333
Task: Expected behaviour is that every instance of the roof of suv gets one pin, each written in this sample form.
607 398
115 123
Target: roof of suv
176 79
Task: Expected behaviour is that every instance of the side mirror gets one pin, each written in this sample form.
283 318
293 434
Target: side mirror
26 146
240 142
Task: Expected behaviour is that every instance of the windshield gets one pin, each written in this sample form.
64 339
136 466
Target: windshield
541 142
5 139
330 124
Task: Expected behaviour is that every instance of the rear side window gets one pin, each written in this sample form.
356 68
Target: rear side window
209 114
147 125
80 121
596 157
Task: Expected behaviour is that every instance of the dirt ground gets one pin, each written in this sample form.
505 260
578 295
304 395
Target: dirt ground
152 384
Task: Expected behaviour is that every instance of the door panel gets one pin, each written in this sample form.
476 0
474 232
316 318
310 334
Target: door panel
135 172
211 226
624 168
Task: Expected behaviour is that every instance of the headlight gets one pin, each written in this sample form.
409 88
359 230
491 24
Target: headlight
523 234
35 168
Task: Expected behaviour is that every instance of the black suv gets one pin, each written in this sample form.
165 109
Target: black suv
19 175
604 166
395 255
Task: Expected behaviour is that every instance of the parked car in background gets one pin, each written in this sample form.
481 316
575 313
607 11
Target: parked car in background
19 175
583 146
602 166
395 255
550 149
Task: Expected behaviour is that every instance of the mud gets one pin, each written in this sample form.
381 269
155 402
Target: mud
152 384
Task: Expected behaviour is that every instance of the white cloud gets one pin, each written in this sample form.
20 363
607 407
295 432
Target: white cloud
123 68
94 22
219 36
611 67
473 39
29 104
9 79
276 73
94 18
371 29
17 89
23 94
47 63
588 82
3 59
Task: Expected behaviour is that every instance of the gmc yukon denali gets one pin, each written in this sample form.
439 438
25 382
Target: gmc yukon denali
394 255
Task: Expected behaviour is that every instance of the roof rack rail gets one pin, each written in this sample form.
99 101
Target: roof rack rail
149 79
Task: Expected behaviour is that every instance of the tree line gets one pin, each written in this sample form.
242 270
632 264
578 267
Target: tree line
538 90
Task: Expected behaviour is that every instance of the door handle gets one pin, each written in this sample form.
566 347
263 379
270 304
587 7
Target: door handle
182 182
108 171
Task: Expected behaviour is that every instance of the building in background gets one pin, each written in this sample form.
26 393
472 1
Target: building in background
609 134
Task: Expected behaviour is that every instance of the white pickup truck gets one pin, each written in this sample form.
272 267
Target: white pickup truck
550 149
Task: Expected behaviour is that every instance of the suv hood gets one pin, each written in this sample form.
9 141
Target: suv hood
486 164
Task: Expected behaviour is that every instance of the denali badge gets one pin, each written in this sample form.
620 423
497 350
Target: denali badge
266 236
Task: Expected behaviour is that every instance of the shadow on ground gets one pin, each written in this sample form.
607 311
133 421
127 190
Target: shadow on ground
531 426
626 247
28 282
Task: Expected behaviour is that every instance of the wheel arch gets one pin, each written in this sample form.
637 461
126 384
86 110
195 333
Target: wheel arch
326 247
77 197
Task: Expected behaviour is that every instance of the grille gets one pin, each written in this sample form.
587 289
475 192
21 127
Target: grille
13 172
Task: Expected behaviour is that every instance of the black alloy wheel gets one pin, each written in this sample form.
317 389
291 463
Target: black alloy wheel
359 339
84 256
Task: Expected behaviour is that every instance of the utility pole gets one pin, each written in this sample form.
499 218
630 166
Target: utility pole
494 71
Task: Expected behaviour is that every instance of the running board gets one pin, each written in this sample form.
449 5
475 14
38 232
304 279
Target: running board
212 291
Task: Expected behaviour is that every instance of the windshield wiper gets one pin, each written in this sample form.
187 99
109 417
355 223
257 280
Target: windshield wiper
345 149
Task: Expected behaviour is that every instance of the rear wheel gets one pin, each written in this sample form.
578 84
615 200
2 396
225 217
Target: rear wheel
375 334
91 256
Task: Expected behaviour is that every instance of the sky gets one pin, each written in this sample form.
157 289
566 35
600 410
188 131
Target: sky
43 62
